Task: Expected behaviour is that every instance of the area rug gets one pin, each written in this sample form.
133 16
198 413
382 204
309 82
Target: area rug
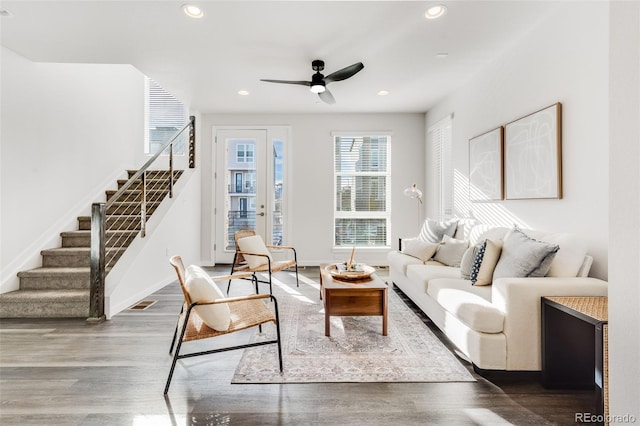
356 351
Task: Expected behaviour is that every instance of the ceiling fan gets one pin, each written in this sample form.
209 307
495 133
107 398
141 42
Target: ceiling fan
318 83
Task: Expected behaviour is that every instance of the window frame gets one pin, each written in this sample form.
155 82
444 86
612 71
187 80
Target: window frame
353 214
440 135
153 89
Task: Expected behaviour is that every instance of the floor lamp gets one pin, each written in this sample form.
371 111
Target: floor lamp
414 192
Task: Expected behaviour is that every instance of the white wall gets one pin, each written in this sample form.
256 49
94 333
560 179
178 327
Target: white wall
174 229
68 131
624 208
311 176
564 60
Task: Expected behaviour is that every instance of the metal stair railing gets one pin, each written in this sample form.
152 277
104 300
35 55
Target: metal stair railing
116 222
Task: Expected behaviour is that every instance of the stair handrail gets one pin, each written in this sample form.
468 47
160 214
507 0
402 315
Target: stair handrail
98 262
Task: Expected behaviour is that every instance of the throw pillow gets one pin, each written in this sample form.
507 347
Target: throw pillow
254 244
467 261
522 255
434 231
201 288
477 262
420 249
450 252
486 262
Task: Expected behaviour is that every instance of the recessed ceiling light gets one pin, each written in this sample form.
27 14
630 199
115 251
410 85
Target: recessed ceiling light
442 55
192 11
436 11
383 93
243 93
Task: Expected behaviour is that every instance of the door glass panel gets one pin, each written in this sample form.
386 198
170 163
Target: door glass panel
240 198
278 195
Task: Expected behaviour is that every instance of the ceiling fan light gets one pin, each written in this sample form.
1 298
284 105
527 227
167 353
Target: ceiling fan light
318 88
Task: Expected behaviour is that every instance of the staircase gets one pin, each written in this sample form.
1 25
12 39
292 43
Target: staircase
60 288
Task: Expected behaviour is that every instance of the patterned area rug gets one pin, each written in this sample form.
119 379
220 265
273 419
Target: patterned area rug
356 351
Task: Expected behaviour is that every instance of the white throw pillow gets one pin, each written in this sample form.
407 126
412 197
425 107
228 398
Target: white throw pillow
419 249
201 288
485 262
433 231
254 244
451 251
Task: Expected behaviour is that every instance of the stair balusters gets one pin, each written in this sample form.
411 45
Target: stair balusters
127 211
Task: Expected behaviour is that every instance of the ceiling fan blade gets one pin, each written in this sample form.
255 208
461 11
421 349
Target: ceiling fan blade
302 83
344 73
327 97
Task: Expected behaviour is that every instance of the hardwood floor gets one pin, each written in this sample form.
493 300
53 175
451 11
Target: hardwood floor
66 372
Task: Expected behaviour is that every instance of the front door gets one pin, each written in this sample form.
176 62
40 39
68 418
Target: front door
249 183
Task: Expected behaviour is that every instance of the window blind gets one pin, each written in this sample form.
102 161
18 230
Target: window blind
362 190
165 116
440 136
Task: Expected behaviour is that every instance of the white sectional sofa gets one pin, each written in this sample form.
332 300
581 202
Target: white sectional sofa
496 326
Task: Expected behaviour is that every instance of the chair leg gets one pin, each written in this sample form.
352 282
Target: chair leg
297 281
177 353
233 265
175 333
275 302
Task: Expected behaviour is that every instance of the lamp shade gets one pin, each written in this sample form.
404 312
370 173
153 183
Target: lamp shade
413 192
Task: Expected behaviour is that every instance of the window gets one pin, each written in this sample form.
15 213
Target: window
362 177
440 137
165 115
244 153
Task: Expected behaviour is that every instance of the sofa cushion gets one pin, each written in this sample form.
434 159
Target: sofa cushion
485 262
467 261
433 231
450 252
400 261
422 274
201 288
522 255
481 232
569 258
468 303
419 249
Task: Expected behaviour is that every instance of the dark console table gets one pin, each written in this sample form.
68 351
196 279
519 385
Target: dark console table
574 345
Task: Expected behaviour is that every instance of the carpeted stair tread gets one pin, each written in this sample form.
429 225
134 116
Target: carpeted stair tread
69 295
55 271
60 288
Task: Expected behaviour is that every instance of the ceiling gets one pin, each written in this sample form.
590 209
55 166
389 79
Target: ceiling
206 61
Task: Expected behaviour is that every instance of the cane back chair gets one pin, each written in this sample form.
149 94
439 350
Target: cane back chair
246 311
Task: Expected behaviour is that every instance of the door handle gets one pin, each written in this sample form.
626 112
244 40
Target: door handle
260 214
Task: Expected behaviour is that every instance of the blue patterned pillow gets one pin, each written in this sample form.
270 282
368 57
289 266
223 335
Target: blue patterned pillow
477 262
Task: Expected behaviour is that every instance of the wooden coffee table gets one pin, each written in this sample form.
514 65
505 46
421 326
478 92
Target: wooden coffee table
345 298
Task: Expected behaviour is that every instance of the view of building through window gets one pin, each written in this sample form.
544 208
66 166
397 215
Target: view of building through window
242 191
362 184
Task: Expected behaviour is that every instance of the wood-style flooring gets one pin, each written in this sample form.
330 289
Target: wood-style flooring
67 372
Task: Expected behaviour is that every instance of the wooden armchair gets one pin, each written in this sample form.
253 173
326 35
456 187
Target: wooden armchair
241 262
246 311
